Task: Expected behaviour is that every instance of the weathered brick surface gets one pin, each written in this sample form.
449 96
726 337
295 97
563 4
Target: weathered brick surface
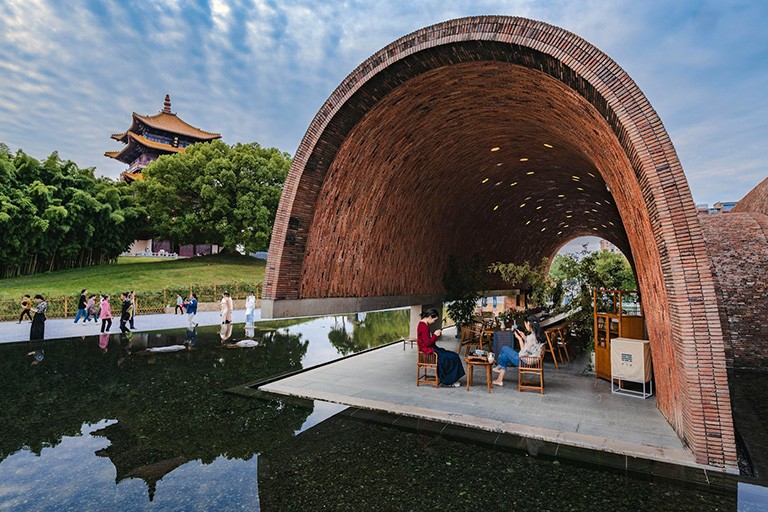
738 246
755 201
390 179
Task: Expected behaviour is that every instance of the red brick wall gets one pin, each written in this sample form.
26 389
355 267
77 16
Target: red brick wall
738 246
391 178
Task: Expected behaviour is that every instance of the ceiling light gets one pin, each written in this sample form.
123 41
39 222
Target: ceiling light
594 210
495 149
544 220
567 225
595 229
522 205
528 198
579 188
485 180
543 229
495 207
499 164
527 223
611 223
523 159
575 177
559 232
548 146
529 173
561 195
538 207
591 174
497 183
513 184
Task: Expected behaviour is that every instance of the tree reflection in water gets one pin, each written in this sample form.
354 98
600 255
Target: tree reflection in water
368 330
170 408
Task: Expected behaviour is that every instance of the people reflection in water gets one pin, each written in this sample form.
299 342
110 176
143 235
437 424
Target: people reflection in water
37 353
190 337
103 342
225 332
250 331
250 309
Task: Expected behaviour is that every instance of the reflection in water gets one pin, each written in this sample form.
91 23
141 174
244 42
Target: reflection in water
156 404
353 333
95 427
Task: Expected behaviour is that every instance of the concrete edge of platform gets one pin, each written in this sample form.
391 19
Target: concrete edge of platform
636 457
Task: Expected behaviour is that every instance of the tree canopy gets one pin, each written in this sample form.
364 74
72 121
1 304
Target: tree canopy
55 215
215 193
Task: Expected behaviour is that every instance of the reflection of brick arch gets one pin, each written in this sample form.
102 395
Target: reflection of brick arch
397 170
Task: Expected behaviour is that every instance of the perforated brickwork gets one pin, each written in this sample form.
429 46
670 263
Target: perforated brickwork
397 171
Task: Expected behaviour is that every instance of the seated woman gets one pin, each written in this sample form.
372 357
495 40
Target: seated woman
530 346
449 368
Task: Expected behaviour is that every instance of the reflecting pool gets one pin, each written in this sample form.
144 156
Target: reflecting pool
144 423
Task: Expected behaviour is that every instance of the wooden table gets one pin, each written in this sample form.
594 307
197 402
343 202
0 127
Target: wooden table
474 361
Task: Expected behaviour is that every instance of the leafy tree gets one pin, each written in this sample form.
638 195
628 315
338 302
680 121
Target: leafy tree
54 215
532 279
581 274
215 193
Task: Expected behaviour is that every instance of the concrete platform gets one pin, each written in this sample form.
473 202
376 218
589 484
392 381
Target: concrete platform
576 409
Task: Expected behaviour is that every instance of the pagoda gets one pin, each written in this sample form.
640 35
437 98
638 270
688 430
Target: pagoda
149 137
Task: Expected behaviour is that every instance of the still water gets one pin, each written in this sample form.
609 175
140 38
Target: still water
122 424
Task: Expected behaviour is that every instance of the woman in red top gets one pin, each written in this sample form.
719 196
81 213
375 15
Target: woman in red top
449 368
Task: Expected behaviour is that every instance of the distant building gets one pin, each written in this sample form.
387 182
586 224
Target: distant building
149 137
718 207
605 245
724 206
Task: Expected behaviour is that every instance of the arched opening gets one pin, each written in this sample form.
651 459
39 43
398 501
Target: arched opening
502 137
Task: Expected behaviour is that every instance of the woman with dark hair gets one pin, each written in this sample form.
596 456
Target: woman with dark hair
449 368
530 346
37 331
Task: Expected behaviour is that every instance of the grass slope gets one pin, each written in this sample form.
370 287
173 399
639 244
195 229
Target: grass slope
140 274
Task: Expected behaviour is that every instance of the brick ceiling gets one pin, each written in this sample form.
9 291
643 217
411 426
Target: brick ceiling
419 177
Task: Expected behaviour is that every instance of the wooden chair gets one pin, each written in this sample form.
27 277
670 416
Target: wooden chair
549 346
561 341
531 367
426 369
474 339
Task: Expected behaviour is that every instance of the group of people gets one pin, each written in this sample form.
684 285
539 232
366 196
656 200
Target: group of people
449 367
98 307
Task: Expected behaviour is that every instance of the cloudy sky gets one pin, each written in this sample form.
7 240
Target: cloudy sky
72 72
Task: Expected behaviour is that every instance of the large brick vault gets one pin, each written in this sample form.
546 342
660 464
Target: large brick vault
505 137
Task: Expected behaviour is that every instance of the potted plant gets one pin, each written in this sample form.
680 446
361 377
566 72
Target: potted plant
463 281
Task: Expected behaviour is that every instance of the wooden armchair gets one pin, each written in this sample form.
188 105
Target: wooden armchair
426 369
549 346
531 367
471 337
562 341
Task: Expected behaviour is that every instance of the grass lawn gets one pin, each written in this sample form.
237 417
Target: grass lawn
139 274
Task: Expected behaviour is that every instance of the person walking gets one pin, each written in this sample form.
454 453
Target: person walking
226 308
26 307
191 310
105 314
81 304
94 308
125 312
88 306
250 308
37 330
179 305
132 298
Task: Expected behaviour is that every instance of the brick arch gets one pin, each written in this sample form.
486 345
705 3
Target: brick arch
397 171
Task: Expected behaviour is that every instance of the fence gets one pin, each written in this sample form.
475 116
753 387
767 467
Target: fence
146 302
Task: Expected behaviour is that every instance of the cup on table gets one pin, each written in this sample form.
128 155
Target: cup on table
490 357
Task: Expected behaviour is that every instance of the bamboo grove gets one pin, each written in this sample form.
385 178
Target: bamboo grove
55 215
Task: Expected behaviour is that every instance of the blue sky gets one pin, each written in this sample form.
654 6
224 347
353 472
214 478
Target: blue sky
72 72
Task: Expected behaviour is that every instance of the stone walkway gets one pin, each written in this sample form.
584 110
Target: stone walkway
576 410
57 328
